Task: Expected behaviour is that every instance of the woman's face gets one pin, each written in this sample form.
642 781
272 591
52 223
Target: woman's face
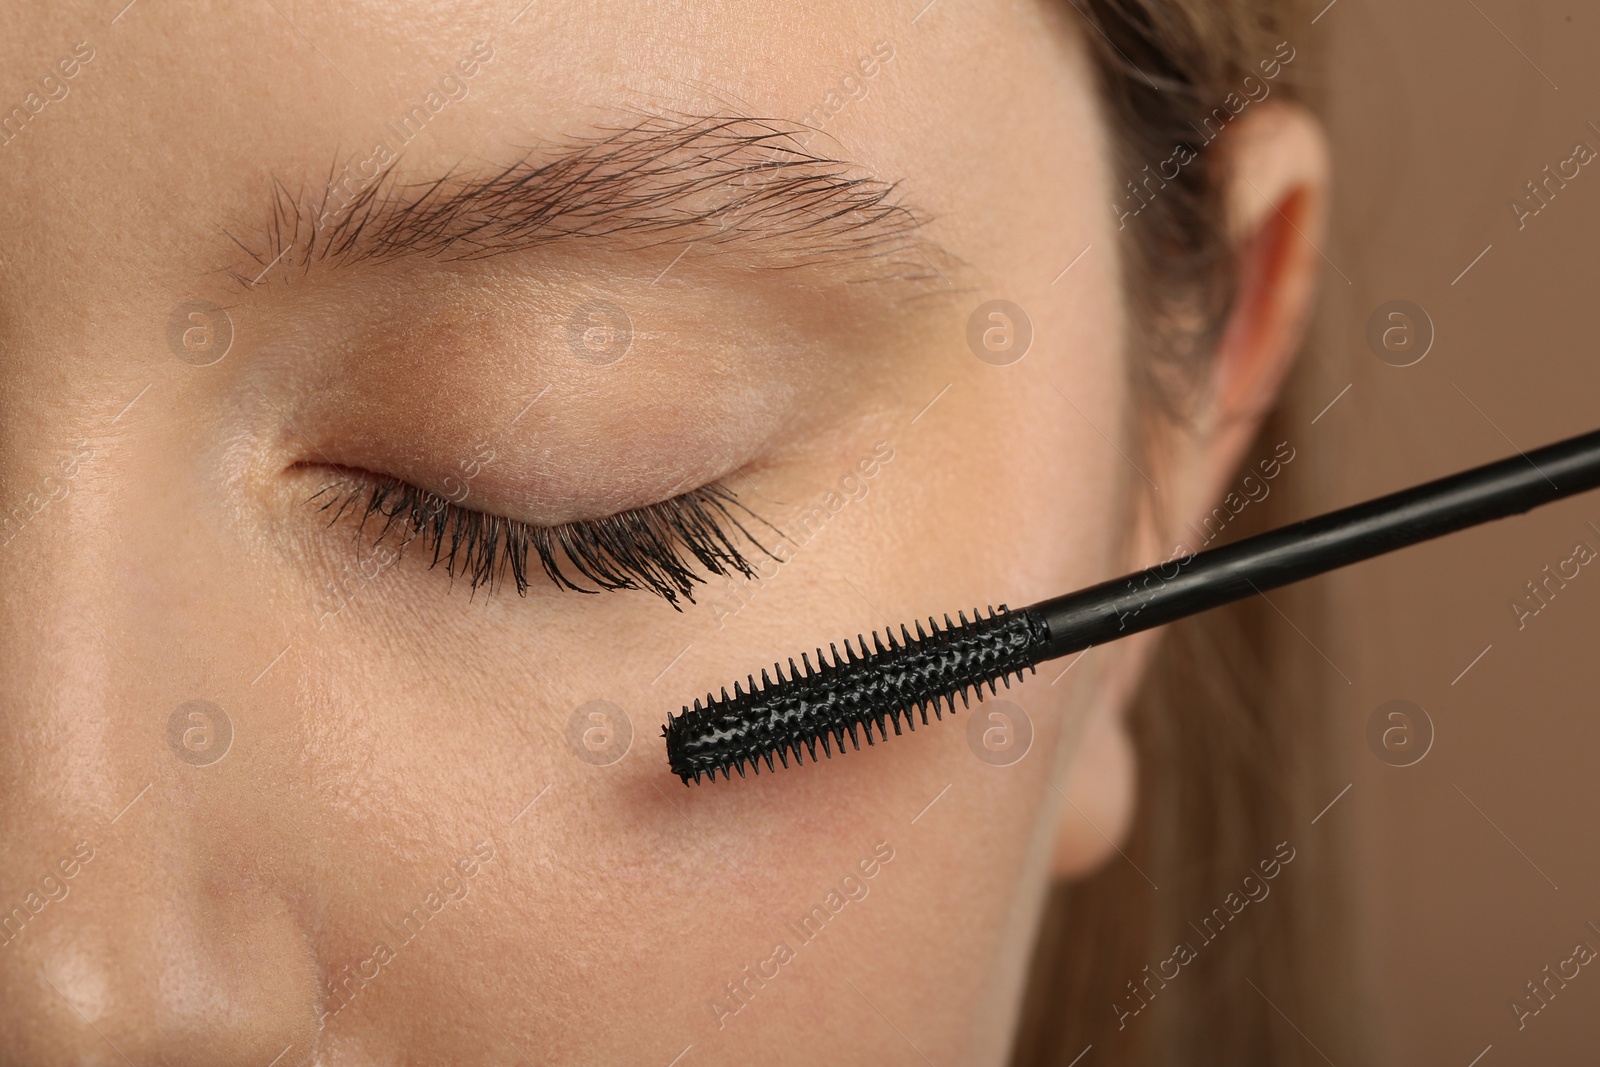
415 821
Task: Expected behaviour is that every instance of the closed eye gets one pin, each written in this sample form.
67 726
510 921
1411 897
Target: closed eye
661 547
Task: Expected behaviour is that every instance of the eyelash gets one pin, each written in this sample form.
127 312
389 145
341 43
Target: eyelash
654 548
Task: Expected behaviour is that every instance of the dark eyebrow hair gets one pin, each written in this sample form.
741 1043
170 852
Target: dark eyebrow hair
723 182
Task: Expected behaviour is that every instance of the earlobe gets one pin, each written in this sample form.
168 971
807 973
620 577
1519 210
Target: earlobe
1099 796
1276 203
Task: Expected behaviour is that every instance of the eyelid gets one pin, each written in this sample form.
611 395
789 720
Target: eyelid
655 547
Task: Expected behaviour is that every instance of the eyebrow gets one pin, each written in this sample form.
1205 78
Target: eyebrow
728 183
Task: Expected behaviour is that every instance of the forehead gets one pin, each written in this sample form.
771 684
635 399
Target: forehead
196 103
180 126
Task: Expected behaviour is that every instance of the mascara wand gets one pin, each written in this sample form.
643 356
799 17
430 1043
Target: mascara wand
892 682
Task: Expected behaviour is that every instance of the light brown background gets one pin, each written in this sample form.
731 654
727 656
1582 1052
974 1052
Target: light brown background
1480 864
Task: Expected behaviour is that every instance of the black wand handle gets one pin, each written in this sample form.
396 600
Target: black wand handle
1196 583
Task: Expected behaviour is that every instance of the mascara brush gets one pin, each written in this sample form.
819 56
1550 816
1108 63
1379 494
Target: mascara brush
898 680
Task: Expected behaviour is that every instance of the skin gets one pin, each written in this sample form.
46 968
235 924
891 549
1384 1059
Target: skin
388 738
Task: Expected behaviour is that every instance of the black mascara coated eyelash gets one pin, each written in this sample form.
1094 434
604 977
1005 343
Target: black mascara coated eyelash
654 548
842 695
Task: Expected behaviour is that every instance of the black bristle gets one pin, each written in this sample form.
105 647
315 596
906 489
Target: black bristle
885 683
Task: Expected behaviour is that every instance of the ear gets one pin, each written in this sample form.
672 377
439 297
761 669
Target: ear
1277 204
1276 201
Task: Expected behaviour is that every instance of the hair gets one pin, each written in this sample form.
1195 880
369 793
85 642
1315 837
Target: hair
1230 726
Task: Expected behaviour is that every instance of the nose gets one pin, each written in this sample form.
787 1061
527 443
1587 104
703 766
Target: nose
151 911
